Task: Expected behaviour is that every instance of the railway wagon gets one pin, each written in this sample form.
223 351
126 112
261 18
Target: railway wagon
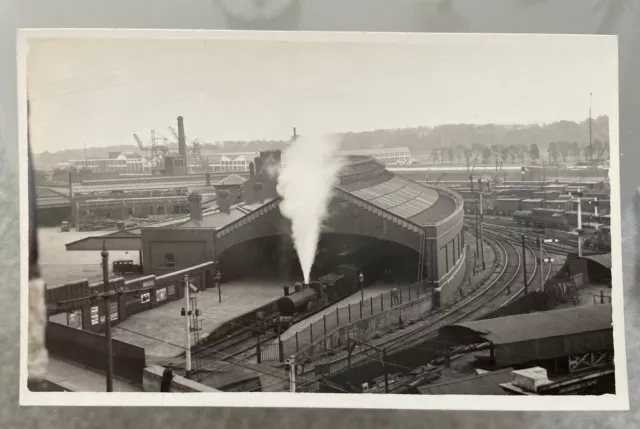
471 202
530 204
507 206
558 204
546 195
549 218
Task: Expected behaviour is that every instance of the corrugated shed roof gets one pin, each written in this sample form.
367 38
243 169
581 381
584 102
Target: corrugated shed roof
604 259
482 384
533 326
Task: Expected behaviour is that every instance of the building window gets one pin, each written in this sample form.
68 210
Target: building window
170 260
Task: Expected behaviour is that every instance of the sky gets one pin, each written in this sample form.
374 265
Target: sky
100 91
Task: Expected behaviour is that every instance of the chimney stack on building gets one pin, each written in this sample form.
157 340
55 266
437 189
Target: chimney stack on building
258 166
252 170
195 206
224 203
257 189
182 145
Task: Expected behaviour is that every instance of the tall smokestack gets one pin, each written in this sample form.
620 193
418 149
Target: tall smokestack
182 146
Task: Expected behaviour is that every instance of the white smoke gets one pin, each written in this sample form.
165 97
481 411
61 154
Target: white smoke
308 172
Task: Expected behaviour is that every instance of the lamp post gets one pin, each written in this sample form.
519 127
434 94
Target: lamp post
361 277
219 285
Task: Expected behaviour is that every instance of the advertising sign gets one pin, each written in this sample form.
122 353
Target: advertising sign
113 310
74 319
148 283
145 297
171 290
95 319
161 294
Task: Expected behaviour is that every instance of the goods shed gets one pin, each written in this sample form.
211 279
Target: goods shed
548 335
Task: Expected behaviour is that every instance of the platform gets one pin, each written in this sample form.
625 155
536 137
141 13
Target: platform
161 331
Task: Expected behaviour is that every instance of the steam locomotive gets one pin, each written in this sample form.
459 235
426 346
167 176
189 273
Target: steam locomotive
342 281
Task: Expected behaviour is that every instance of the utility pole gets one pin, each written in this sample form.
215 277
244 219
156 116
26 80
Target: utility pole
107 315
186 312
524 270
481 222
579 194
477 233
541 258
106 297
548 260
386 372
290 365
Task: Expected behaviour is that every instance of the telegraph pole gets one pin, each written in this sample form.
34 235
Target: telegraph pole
107 315
477 234
541 265
481 222
579 195
524 270
186 312
549 260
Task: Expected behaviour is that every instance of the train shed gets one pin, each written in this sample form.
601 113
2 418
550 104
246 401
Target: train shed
559 337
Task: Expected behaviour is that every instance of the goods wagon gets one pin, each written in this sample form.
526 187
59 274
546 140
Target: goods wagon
507 206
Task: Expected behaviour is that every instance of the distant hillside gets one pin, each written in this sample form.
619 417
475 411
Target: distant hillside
418 140
426 138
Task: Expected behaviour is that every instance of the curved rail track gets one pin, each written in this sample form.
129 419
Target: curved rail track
506 276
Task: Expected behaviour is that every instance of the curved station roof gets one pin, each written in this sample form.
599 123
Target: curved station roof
372 182
363 178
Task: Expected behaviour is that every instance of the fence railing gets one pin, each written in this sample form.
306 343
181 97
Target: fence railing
317 332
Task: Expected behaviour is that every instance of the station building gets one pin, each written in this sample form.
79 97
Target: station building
422 225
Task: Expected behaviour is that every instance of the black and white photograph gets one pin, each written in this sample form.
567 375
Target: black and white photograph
322 216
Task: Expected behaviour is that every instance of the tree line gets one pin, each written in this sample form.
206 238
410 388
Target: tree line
557 152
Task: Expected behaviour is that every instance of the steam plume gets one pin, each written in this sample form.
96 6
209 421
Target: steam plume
309 169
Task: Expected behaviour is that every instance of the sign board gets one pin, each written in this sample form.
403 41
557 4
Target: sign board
145 297
103 319
148 283
113 310
171 290
161 294
74 319
95 319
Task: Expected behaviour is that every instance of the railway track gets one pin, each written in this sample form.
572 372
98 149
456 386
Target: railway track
506 276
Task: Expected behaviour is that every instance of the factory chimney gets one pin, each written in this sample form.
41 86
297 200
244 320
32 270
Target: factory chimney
182 146
223 201
195 206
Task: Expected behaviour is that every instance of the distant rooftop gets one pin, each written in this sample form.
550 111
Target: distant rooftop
233 179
